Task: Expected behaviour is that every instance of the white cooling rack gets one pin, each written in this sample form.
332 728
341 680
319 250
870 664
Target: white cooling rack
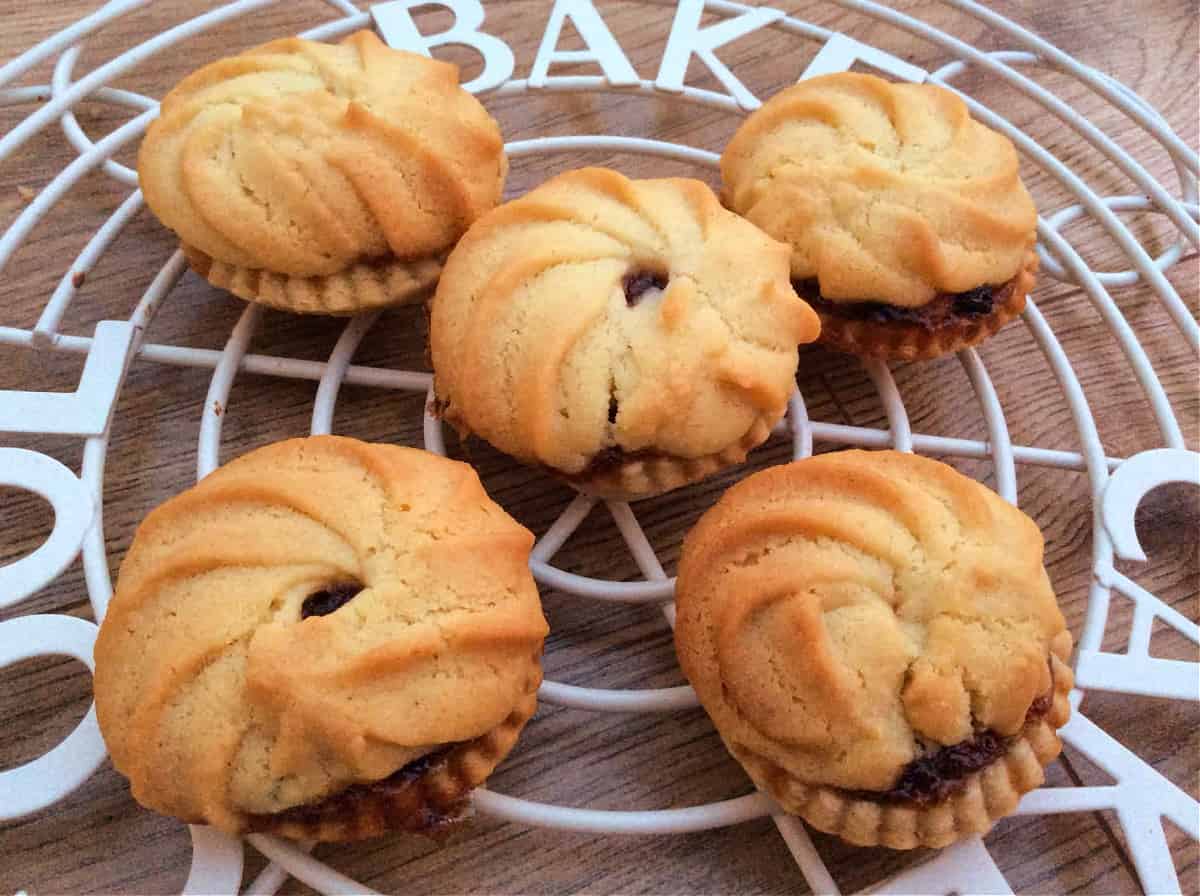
1140 797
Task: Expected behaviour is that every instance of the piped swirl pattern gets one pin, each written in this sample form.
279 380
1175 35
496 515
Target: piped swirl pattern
225 689
845 615
885 192
305 159
599 312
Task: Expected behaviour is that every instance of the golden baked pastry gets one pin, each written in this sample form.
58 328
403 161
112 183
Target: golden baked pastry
296 646
877 642
910 228
629 335
321 178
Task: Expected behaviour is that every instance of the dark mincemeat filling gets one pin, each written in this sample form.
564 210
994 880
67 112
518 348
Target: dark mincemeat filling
932 778
635 284
329 599
404 807
610 459
638 283
944 308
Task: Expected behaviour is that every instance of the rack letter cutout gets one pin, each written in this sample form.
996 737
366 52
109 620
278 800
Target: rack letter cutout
1135 670
395 22
85 411
73 515
602 47
688 39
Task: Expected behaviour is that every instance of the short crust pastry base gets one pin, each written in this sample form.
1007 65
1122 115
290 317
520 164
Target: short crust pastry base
985 797
429 803
902 341
644 477
361 287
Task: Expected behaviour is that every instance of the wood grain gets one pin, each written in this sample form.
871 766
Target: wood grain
98 840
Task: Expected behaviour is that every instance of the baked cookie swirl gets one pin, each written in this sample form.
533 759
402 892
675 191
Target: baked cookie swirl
630 335
876 640
318 177
296 646
893 200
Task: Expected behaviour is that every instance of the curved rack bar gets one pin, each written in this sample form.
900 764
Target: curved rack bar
208 451
958 66
576 512
1064 112
597 821
1087 75
1145 264
1130 346
1163 132
67 178
335 371
635 538
52 314
862 437
893 404
95 450
640 145
618 700
274 876
41 93
599 589
1097 611
68 36
1070 213
60 81
800 426
1133 249
993 413
1187 180
606 699
118 66
657 588
345 7
562 528
432 426
217 861
337 28
306 869
95 562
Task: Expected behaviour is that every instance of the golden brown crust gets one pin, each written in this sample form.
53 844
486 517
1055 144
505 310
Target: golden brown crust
541 347
639 478
434 801
327 165
846 615
362 287
885 192
902 341
983 799
224 692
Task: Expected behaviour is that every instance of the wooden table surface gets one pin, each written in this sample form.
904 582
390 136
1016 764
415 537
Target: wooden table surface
98 840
